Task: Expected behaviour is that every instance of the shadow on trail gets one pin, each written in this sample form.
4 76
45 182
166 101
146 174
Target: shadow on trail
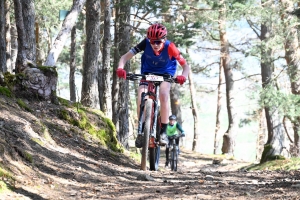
29 194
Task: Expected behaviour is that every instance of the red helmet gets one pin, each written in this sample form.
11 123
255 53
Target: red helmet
156 32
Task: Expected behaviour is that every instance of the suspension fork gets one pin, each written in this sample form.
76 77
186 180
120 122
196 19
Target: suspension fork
141 114
154 97
153 133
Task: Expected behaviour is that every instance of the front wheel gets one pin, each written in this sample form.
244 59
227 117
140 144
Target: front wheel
174 158
147 129
152 158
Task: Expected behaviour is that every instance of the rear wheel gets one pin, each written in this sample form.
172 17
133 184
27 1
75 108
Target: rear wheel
148 114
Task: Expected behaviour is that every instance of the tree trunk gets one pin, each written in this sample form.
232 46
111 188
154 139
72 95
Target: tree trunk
106 85
73 65
100 72
262 135
295 151
8 37
3 67
297 140
25 21
14 46
275 142
39 51
115 84
229 136
124 33
89 92
35 81
195 145
219 106
292 52
62 36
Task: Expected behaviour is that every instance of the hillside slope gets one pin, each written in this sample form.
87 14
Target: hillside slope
43 144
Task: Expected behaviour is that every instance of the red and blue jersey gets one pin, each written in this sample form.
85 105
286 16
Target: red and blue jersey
160 64
163 63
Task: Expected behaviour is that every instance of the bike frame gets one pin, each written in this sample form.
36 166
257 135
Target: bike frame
151 115
152 93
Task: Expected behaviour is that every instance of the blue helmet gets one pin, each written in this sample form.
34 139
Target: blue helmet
172 117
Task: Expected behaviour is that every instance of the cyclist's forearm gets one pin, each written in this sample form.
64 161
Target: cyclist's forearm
186 69
179 128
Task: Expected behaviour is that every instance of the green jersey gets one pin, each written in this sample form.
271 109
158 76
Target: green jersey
172 130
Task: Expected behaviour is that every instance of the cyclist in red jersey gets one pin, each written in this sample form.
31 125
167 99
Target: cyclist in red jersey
160 56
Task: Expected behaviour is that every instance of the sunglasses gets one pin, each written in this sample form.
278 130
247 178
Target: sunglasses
157 42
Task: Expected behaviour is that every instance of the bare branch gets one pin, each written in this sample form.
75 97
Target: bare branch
142 18
234 80
216 39
246 77
203 68
252 26
208 48
236 49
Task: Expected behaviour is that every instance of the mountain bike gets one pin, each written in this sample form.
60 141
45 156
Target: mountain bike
173 151
148 115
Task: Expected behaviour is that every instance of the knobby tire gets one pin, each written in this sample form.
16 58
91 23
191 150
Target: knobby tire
147 129
152 158
174 156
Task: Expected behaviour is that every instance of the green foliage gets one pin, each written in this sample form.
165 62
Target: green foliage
244 122
64 57
5 174
5 91
287 164
64 102
28 156
23 105
38 141
9 80
3 187
46 70
135 156
181 34
106 136
266 156
47 16
156 7
286 104
46 133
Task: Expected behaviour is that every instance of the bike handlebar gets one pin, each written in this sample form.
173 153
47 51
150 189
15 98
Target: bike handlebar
176 136
166 77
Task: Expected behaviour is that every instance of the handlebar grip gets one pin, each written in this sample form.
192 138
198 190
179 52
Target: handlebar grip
175 80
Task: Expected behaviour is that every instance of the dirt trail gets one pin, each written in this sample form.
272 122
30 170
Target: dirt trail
101 174
67 164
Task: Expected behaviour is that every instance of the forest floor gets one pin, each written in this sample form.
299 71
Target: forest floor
68 165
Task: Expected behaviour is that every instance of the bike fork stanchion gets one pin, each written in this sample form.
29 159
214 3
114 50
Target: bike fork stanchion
141 114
